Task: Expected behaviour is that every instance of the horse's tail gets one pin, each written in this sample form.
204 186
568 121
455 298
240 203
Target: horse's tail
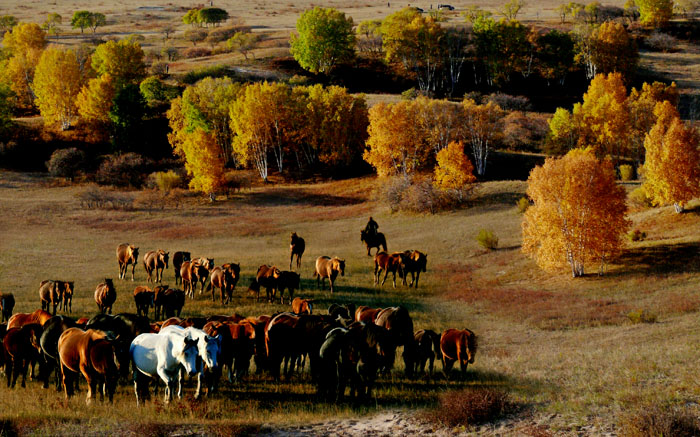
436 346
462 355
383 243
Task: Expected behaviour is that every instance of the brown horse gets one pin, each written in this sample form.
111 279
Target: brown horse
105 295
243 336
415 262
296 247
159 301
20 319
288 281
155 260
266 277
427 349
235 318
92 353
53 294
173 301
200 269
366 314
7 304
22 348
389 263
302 306
223 279
373 240
144 299
127 254
178 259
457 345
400 326
68 288
327 267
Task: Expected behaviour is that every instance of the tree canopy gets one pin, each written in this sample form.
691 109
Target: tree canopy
57 82
123 60
324 39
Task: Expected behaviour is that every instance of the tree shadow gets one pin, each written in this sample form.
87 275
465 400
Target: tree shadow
666 258
296 196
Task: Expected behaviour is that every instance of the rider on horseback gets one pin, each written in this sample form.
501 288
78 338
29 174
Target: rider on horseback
372 227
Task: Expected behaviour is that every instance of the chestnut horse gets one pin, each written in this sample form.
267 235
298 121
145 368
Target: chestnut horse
366 314
389 263
20 319
144 299
377 240
155 260
415 262
92 353
127 254
457 345
266 277
327 267
296 247
22 349
178 259
7 304
105 295
222 279
302 306
52 294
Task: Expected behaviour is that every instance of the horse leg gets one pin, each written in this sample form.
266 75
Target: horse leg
291 257
299 260
198 392
386 273
417 277
23 369
394 272
447 366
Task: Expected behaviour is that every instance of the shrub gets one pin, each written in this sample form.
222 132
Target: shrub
123 170
165 180
523 204
508 102
486 239
637 235
96 198
662 42
298 80
66 163
641 316
194 76
196 52
160 69
235 182
655 420
415 194
626 172
639 198
469 407
410 94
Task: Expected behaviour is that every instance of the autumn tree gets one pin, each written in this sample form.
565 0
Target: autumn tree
123 60
57 82
502 47
606 49
555 55
441 122
6 108
512 8
202 161
243 42
324 39
369 37
195 35
50 26
453 172
563 133
24 43
482 127
578 215
94 103
640 106
655 13
672 164
456 44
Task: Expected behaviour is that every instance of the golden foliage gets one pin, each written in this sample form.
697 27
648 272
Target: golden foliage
25 43
614 50
482 128
578 214
123 60
453 170
202 161
95 101
56 85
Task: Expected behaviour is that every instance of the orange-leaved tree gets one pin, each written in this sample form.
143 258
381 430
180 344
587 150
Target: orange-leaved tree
640 105
454 172
578 215
672 164
24 42
94 103
56 85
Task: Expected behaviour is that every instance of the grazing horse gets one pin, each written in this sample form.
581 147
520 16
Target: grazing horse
296 247
162 354
7 304
288 281
389 263
92 353
208 349
222 279
105 295
53 329
302 306
327 267
127 254
415 262
373 240
22 348
20 319
457 345
427 349
366 314
52 294
178 259
155 260
267 277
400 326
144 299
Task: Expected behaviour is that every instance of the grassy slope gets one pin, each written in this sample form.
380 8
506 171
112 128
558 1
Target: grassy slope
564 347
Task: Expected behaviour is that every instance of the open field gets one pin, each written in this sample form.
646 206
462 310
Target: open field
563 348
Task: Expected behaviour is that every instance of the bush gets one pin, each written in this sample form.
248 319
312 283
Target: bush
165 180
416 194
66 163
662 42
196 52
410 94
641 316
626 172
469 407
639 198
508 102
655 420
486 239
123 170
235 182
96 198
195 76
637 235
523 204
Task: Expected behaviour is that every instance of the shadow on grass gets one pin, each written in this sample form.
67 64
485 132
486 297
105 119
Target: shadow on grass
296 196
665 258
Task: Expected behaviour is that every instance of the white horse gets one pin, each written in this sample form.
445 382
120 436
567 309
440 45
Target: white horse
162 355
208 349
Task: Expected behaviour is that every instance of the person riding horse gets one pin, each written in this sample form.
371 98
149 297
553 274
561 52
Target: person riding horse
372 227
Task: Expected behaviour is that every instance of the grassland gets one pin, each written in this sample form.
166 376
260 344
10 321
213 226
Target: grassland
564 348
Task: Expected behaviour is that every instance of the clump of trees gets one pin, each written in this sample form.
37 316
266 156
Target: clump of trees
87 19
324 39
199 17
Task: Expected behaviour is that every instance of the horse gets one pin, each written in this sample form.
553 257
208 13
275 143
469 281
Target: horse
266 277
208 348
296 247
288 281
172 302
243 336
22 349
68 288
427 349
200 270
223 280
366 314
144 299
159 301
389 263
7 304
457 345
327 267
400 326
302 306
53 294
373 240
105 295
162 354
415 262
178 259
53 329
92 353
125 326
20 319
344 314
155 260
282 344
127 254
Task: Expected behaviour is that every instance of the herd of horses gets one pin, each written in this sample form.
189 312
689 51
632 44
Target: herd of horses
346 348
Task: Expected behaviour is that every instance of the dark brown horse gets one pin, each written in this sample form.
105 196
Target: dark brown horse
22 349
21 319
159 301
302 306
127 254
144 299
53 329
7 304
327 267
457 345
155 260
415 262
366 314
243 336
373 240
173 301
92 353
289 281
266 277
427 349
200 269
53 294
178 259
389 263
400 326
296 247
105 295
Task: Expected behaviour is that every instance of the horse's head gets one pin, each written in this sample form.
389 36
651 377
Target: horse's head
212 346
294 237
209 264
108 282
471 346
186 256
189 354
165 257
363 235
339 266
134 254
276 273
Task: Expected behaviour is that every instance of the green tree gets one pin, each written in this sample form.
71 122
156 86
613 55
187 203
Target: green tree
123 60
7 22
81 20
502 47
97 19
127 114
6 107
512 8
369 37
325 39
50 26
243 42
157 92
212 16
655 13
195 35
555 55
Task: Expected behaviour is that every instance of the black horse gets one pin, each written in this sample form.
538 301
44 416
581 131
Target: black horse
373 240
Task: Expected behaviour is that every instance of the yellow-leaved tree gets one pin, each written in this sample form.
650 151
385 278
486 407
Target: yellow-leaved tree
672 164
95 101
578 215
454 172
640 105
56 85
24 42
203 161
482 125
